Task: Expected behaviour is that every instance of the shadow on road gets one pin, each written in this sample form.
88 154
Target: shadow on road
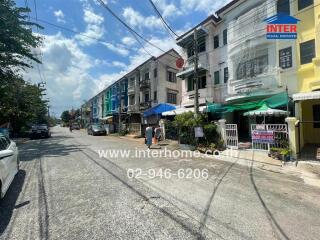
274 224
49 147
8 203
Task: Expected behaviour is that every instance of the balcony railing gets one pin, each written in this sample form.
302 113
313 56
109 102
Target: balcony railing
133 108
241 30
145 105
145 84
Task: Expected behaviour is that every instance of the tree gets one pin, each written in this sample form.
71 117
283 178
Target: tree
21 104
16 38
65 116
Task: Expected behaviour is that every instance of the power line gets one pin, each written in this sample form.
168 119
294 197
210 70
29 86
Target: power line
167 27
132 31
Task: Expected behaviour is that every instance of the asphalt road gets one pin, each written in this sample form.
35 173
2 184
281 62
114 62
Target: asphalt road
64 190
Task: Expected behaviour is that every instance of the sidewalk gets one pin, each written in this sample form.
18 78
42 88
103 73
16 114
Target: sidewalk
309 172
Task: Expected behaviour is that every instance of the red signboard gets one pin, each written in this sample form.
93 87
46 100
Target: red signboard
179 62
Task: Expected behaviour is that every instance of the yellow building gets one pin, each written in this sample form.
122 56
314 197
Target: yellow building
307 100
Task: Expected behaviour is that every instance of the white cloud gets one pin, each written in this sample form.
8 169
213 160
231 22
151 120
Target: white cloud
135 19
117 49
94 28
119 64
66 70
207 6
129 41
59 15
167 9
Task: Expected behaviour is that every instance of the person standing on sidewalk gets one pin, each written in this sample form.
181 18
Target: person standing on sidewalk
157 134
149 136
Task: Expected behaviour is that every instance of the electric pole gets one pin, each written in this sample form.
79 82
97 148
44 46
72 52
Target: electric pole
196 97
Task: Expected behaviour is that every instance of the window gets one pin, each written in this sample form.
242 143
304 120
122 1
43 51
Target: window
304 3
202 44
307 51
131 100
190 83
225 74
216 77
225 37
316 116
252 68
131 82
146 76
146 97
202 81
171 77
155 72
285 58
283 6
190 51
155 97
171 97
216 41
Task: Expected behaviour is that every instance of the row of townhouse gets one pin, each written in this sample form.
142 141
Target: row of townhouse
239 66
152 83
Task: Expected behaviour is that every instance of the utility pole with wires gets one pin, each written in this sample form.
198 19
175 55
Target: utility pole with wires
195 77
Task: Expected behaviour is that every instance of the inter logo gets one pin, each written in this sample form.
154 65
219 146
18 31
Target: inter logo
281 26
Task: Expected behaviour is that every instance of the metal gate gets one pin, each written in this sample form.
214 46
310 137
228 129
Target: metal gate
232 136
272 135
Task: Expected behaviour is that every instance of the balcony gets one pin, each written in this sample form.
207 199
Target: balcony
131 88
241 30
203 64
145 105
133 108
145 84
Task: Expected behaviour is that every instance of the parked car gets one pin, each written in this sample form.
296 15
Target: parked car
40 131
96 129
9 163
76 126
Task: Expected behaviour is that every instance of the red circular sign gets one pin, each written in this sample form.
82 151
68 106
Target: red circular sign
179 62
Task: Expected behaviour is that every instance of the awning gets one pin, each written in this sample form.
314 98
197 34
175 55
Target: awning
158 109
275 101
182 110
306 96
190 70
264 110
186 72
106 118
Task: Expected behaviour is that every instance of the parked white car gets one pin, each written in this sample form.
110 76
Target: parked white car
9 163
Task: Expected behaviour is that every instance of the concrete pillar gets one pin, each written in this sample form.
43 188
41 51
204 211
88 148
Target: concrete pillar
222 129
293 135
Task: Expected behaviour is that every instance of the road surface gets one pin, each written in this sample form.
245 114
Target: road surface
64 190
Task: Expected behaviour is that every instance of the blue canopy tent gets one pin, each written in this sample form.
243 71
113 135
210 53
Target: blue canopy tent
158 109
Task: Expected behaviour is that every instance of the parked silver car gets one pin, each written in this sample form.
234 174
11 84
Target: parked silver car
9 163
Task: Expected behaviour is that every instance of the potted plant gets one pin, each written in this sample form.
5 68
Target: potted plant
285 153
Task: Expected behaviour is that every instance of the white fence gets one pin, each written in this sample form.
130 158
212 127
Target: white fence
232 136
266 136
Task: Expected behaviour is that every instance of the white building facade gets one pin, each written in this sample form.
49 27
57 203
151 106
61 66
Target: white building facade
212 61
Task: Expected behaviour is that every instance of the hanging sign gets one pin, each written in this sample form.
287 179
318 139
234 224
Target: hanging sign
262 136
179 62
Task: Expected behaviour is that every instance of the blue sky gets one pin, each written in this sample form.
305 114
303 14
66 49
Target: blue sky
76 67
